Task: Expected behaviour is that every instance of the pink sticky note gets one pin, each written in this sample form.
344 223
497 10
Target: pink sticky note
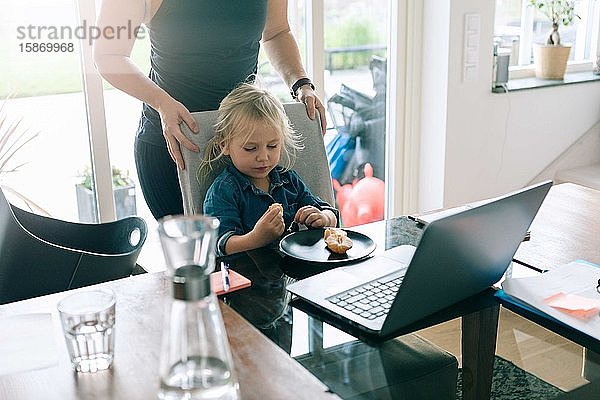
572 304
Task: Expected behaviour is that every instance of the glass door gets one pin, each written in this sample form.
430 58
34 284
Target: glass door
355 61
41 88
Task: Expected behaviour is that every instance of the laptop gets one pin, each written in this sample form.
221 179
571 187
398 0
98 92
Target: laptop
458 256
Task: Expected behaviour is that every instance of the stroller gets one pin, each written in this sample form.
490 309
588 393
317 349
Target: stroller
360 122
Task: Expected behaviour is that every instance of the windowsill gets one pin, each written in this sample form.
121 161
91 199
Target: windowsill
534 83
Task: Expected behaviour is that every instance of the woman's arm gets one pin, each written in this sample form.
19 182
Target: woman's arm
282 50
112 56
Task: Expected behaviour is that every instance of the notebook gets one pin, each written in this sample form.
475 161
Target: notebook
236 282
458 256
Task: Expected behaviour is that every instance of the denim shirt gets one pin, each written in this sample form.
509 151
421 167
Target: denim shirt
238 204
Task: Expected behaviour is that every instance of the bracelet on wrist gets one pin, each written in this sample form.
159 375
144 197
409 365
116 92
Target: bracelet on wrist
298 84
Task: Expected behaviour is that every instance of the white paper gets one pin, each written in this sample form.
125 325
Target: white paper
578 277
26 343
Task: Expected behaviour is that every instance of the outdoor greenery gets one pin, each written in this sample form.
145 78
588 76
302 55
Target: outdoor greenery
345 27
120 178
349 31
28 73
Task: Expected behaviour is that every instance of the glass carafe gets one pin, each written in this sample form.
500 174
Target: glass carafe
195 358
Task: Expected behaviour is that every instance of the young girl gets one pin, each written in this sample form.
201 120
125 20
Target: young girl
254 198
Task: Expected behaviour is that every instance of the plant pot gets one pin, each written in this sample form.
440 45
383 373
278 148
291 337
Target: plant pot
86 202
551 60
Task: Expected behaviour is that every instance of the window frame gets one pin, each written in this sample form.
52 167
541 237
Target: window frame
588 32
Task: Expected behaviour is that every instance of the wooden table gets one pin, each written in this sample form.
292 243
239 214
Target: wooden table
566 228
264 370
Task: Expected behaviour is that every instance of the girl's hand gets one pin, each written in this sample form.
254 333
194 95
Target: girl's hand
312 216
172 114
269 227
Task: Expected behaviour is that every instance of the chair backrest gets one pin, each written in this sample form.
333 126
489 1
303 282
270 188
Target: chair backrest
311 162
41 255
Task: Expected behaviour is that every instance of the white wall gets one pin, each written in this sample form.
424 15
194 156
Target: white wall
586 149
493 143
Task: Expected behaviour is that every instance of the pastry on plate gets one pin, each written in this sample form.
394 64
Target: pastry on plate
337 240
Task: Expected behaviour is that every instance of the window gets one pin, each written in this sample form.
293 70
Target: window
41 74
355 41
518 26
355 50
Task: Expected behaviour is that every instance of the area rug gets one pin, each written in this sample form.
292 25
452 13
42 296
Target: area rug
512 383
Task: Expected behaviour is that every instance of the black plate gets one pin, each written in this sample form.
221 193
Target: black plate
309 245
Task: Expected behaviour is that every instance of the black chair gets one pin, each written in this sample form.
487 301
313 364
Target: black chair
41 255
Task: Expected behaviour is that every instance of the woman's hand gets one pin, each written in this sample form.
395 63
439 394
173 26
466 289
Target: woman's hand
172 115
268 227
308 96
313 217
282 49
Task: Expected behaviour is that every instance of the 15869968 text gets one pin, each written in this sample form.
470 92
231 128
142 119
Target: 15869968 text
34 47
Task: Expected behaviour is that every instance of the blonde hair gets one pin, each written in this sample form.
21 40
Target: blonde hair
242 108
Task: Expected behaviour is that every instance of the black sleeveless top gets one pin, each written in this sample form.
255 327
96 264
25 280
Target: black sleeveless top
200 50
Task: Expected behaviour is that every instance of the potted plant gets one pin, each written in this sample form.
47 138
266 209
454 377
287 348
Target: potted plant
123 191
551 58
13 138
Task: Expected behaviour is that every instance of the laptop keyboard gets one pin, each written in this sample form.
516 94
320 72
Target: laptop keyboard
372 299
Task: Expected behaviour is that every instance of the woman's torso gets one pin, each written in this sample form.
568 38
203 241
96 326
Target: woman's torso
201 49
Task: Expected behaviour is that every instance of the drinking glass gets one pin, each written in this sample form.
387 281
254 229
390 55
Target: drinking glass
88 322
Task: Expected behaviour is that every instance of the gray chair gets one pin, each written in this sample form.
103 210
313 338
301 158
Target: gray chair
311 162
41 255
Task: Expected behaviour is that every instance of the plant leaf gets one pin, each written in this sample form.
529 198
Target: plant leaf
33 206
13 137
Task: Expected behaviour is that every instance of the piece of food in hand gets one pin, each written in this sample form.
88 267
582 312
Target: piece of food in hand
337 240
278 206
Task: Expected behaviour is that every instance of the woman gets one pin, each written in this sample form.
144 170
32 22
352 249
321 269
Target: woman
200 50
